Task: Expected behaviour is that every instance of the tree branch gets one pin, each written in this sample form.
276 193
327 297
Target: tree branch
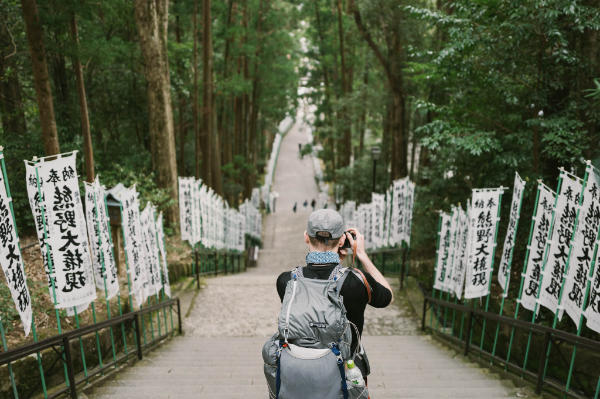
374 47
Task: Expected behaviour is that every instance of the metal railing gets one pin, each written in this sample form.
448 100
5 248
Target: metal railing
471 317
134 324
392 261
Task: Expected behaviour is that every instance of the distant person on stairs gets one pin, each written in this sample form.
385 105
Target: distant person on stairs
325 238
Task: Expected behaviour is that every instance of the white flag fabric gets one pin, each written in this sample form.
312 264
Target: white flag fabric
133 240
483 221
537 248
441 265
160 235
67 233
511 234
582 251
378 201
398 209
461 254
196 212
186 208
592 312
448 285
152 253
408 213
565 214
11 258
105 270
40 216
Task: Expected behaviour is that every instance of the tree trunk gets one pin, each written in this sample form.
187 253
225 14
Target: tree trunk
202 154
152 23
345 143
88 151
211 149
181 126
40 76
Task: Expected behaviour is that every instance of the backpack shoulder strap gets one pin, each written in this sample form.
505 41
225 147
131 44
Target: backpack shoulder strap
340 277
297 272
364 280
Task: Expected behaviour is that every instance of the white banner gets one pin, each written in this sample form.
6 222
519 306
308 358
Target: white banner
448 285
387 224
105 271
67 233
399 208
41 220
378 209
565 215
483 222
441 264
185 208
133 240
511 234
537 248
592 312
160 236
462 253
196 212
152 253
11 258
408 213
583 245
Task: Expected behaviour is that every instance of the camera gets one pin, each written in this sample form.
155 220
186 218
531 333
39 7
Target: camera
347 242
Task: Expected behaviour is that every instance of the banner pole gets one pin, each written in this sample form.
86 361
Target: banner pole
507 275
454 244
33 329
527 253
129 294
580 325
103 271
535 309
435 269
170 308
563 277
487 300
10 369
161 292
85 372
50 268
112 251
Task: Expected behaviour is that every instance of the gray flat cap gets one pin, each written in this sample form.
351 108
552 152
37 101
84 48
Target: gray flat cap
325 223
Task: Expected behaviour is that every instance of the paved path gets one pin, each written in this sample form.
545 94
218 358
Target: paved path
219 355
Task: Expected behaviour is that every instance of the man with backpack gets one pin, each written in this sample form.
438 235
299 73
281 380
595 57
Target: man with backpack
322 316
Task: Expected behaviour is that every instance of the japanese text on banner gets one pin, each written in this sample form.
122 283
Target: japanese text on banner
483 221
537 248
11 258
511 234
67 233
565 214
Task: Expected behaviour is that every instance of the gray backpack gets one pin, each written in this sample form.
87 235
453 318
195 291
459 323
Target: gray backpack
306 358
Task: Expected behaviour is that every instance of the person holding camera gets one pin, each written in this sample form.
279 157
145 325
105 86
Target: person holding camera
328 245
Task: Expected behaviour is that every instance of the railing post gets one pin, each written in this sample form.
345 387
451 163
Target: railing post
138 336
424 313
70 373
468 334
179 316
404 267
542 362
197 270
